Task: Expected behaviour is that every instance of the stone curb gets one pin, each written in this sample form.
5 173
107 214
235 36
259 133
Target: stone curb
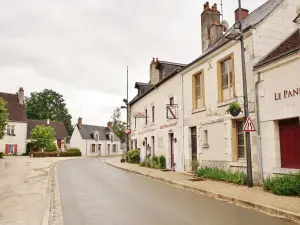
271 211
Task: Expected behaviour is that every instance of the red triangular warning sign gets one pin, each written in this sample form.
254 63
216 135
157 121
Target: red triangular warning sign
249 126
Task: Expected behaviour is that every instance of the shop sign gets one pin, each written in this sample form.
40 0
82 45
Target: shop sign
168 125
287 94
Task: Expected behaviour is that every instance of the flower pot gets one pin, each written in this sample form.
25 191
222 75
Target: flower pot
235 112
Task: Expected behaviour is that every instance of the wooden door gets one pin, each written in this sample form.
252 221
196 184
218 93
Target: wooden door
171 135
289 131
59 144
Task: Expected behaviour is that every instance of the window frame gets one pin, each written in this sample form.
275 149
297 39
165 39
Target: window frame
235 144
146 117
153 114
219 74
237 134
171 101
202 90
114 148
13 149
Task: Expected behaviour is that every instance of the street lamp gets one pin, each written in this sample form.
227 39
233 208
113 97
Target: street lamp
125 100
236 33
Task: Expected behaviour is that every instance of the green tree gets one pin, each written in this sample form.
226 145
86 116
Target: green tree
42 136
3 117
118 125
48 104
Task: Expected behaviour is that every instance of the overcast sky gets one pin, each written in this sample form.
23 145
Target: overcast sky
80 48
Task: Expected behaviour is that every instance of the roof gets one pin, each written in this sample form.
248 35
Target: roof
169 67
86 132
16 111
288 46
59 127
253 19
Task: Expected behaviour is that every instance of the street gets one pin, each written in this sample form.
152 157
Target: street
93 193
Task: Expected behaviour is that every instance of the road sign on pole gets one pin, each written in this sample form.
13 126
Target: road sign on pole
249 126
127 131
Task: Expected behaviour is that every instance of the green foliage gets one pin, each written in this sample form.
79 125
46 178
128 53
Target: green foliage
234 106
1 155
162 161
195 164
42 136
48 104
222 175
55 154
3 117
118 126
73 150
288 185
134 156
154 163
51 147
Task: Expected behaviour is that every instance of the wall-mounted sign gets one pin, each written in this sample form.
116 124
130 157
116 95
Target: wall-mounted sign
168 125
147 131
287 94
139 115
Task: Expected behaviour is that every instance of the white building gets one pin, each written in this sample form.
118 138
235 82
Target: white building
150 124
278 97
95 140
14 141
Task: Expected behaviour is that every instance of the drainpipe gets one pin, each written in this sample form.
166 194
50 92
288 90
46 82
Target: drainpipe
259 149
85 147
182 124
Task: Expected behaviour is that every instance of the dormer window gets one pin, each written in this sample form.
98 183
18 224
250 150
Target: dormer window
96 136
112 138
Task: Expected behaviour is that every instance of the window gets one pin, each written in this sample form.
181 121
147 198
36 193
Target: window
226 80
114 148
172 101
108 147
96 137
146 116
112 138
198 91
240 140
11 149
205 139
93 148
10 130
99 147
153 114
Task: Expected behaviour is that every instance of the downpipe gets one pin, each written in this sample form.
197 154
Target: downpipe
182 124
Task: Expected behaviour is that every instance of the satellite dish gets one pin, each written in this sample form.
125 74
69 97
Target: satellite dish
225 25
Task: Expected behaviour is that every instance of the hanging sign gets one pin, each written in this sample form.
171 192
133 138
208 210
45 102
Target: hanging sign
249 126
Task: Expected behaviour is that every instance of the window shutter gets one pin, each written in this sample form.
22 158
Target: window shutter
233 75
15 149
194 92
203 89
6 149
91 146
234 142
219 83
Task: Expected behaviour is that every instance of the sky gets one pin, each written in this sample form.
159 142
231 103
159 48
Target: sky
80 48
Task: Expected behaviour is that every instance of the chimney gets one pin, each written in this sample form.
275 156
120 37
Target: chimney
21 96
245 13
109 125
211 27
79 123
154 73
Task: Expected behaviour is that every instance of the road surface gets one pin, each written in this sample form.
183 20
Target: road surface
93 193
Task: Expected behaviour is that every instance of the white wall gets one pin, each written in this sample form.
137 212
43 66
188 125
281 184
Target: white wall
19 138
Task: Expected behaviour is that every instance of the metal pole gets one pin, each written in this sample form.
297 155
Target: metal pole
127 136
246 109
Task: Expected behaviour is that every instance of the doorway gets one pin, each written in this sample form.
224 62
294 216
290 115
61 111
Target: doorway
289 131
171 139
194 143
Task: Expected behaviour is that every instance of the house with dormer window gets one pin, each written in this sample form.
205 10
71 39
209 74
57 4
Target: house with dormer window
95 140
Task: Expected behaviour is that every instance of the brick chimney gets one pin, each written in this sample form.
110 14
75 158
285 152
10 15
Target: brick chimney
211 27
109 125
154 73
245 13
21 96
79 123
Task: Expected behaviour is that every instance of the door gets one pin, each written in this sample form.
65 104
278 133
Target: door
59 144
171 139
108 149
194 143
153 145
289 131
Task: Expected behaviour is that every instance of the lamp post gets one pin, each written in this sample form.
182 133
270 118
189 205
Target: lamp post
127 114
237 34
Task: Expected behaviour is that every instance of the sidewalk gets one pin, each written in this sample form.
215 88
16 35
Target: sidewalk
254 198
24 189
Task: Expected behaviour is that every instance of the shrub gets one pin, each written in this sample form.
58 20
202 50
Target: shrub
73 150
143 164
162 161
51 147
288 185
155 159
24 154
70 154
195 165
222 175
1 155
134 156
54 154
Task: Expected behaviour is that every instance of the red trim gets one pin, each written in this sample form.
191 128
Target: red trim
6 149
15 149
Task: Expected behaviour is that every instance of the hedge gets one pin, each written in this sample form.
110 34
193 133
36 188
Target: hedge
55 154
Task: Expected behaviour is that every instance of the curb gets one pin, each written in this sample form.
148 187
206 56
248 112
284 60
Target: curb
279 213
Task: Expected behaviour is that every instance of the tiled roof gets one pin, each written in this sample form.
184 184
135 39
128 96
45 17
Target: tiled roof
60 129
86 132
290 45
16 111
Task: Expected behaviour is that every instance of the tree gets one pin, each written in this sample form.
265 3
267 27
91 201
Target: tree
51 105
42 136
3 117
118 125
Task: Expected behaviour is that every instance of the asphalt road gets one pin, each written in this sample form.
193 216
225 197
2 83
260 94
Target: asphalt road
93 193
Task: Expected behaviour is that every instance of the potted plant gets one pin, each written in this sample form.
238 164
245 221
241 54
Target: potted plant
234 109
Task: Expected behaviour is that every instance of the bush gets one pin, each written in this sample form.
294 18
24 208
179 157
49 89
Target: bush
222 175
162 161
1 155
24 154
73 150
288 185
143 164
133 156
51 147
54 154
